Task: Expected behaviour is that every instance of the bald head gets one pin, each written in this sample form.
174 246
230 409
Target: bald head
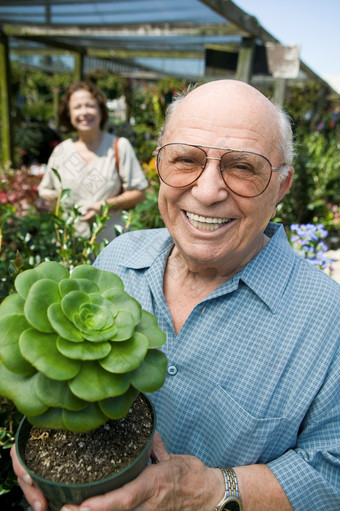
225 108
239 94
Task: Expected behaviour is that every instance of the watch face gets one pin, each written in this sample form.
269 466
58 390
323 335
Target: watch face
231 505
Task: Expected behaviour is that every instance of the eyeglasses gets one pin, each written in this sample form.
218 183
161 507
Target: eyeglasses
245 173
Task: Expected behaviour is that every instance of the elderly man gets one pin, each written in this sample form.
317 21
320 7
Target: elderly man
249 412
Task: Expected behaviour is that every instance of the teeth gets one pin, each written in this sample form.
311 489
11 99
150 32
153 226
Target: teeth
207 219
205 222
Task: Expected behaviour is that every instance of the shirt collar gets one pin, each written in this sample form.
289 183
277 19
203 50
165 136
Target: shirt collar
267 274
159 244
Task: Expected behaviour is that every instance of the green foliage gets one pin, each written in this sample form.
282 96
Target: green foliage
9 420
71 343
114 86
26 240
316 183
145 215
304 105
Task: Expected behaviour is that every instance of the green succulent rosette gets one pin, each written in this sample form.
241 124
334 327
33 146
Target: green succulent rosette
75 348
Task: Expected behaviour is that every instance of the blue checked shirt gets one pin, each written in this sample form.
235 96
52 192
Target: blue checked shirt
254 373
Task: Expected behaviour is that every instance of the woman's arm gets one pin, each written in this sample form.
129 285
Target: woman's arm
126 200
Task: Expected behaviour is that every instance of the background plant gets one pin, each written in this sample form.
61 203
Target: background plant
146 214
307 241
316 180
29 236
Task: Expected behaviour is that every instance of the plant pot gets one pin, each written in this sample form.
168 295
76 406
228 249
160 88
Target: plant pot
59 494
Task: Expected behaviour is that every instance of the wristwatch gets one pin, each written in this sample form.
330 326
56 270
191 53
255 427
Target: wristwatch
231 500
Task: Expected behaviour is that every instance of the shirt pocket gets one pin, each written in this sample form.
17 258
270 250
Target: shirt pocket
236 436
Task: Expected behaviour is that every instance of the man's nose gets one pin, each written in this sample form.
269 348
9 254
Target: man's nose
210 187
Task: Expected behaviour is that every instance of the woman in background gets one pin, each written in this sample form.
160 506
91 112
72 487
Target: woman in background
87 163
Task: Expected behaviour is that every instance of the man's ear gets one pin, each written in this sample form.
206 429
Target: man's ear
285 184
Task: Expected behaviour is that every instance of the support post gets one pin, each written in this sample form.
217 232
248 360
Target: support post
280 91
245 60
78 66
55 107
5 79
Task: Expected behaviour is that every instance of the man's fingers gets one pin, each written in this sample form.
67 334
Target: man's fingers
159 453
18 468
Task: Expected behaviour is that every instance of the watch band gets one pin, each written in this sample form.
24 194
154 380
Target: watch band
232 494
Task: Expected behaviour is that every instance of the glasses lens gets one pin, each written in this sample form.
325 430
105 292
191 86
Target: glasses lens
246 174
180 165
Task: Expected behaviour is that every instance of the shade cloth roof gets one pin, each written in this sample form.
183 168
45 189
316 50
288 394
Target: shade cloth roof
131 29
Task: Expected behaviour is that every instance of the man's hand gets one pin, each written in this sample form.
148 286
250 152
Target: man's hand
33 496
174 483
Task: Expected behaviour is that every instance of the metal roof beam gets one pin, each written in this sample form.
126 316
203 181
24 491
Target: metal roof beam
240 18
145 29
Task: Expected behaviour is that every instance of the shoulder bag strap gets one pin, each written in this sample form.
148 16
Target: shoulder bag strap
115 146
116 153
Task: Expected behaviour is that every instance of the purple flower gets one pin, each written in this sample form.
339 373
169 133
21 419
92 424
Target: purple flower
306 240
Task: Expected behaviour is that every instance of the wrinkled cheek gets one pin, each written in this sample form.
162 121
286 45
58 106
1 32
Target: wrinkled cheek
263 211
167 205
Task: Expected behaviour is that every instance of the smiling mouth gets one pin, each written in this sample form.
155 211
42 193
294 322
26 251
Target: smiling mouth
206 223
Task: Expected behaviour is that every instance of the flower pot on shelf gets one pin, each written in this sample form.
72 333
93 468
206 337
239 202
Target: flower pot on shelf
61 493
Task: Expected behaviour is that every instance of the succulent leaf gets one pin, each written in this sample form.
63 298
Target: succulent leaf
57 394
99 300
41 295
93 317
125 302
46 270
126 356
41 351
104 279
12 304
150 375
85 350
84 324
52 418
61 325
125 326
85 285
11 327
84 420
20 389
93 383
149 327
72 302
118 407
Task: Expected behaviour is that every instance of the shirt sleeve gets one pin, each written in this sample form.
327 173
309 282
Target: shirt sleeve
49 186
130 171
310 473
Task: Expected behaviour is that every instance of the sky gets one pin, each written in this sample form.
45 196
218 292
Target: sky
313 24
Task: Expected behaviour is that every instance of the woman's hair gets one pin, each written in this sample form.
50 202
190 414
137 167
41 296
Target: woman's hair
285 139
64 107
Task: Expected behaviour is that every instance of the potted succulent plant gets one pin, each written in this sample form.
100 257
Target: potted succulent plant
76 354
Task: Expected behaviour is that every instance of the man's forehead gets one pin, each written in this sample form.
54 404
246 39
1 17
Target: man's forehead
216 100
211 110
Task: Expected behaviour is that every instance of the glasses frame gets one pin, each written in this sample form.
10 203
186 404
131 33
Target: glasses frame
226 151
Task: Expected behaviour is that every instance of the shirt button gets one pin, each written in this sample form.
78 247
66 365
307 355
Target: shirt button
172 370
